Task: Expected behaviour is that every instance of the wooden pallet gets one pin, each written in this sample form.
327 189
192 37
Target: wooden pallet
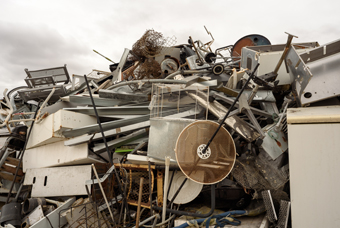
8 169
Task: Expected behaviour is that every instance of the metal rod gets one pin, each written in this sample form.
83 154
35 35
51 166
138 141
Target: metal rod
166 184
38 118
98 121
177 192
171 179
103 192
139 200
104 139
231 108
156 216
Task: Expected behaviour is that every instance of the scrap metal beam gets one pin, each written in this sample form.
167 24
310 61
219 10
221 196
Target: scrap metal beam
126 129
114 124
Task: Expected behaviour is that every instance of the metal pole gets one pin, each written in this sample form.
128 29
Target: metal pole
98 121
231 108
107 148
166 184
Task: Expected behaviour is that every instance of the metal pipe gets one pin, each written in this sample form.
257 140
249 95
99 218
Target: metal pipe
21 120
155 221
107 148
98 121
13 95
177 192
171 179
156 216
43 105
139 201
166 185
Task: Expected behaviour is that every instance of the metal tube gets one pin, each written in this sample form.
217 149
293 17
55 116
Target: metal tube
98 121
43 105
171 179
12 101
155 221
147 220
166 184
177 192
139 201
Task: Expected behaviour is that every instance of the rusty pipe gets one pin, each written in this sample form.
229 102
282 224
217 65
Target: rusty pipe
38 118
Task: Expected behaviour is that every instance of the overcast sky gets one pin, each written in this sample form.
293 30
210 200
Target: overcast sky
37 34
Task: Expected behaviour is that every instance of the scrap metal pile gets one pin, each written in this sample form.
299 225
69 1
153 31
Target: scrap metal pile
168 130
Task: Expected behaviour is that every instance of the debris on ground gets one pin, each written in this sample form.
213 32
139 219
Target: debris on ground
173 135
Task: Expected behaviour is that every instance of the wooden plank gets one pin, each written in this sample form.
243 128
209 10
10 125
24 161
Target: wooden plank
9 177
13 161
11 169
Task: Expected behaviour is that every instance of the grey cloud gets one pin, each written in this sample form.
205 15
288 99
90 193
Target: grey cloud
37 47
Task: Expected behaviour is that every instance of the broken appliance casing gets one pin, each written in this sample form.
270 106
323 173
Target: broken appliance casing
50 129
59 181
315 73
268 56
57 154
163 135
313 136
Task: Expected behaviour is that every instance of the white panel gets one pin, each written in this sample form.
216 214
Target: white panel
322 114
314 160
49 129
53 217
56 154
61 181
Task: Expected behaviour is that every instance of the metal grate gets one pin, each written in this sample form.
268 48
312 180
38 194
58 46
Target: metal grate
133 187
268 203
283 214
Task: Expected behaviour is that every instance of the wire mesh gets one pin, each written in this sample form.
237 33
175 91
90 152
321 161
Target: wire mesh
149 45
134 184
174 95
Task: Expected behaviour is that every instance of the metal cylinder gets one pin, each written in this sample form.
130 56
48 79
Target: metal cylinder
30 204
